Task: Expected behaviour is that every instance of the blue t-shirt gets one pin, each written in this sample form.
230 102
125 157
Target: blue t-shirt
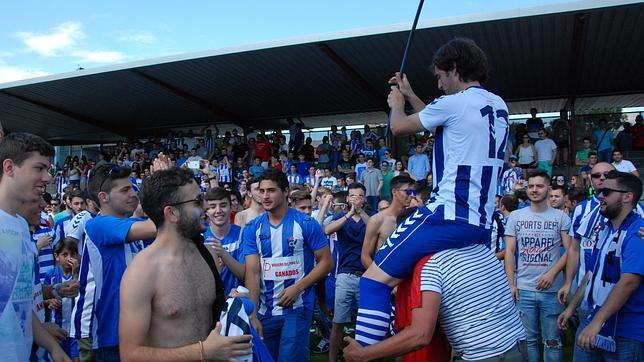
110 254
232 244
302 168
256 170
612 263
349 244
286 256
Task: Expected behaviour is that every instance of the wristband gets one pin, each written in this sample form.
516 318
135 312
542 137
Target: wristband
201 354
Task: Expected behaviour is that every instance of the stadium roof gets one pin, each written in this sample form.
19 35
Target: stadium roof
588 53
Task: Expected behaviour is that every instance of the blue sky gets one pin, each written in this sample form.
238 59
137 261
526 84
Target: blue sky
56 36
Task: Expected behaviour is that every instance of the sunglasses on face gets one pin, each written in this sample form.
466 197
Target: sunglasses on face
600 174
410 192
605 191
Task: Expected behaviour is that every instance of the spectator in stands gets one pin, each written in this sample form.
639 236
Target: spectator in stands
387 158
361 165
581 157
624 138
346 164
585 170
369 134
533 125
623 165
381 147
546 152
511 176
638 133
329 181
262 150
507 204
399 168
368 150
561 135
324 153
373 181
526 153
387 176
418 164
308 150
603 137
257 170
557 198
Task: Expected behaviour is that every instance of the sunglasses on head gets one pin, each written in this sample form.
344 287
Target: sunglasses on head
115 170
605 191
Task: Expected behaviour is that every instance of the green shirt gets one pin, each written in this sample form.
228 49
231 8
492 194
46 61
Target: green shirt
385 191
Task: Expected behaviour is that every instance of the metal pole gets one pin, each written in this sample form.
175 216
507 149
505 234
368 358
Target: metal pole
404 60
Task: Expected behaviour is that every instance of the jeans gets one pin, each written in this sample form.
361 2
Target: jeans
605 155
541 308
627 350
287 336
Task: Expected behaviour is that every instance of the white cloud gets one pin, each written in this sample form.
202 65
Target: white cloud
63 37
10 74
99 56
140 37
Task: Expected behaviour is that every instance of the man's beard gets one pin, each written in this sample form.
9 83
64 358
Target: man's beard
190 225
612 211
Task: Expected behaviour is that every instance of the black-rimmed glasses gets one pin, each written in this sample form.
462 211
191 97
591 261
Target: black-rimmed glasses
599 174
605 191
199 200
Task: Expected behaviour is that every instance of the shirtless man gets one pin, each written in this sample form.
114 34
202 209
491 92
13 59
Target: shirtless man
242 218
384 223
167 292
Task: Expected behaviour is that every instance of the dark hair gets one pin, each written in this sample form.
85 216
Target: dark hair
77 193
400 180
68 243
628 181
19 146
299 195
464 55
587 139
103 177
161 189
510 202
423 191
577 194
564 190
357 185
237 195
253 180
218 193
537 172
616 150
276 176
592 154
341 196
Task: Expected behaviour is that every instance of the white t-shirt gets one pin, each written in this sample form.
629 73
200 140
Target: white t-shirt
17 277
545 149
329 182
477 312
624 166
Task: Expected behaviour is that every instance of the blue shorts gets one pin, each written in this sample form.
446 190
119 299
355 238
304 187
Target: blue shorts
422 233
329 292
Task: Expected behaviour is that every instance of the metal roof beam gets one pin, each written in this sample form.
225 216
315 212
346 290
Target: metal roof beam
576 58
215 111
377 97
73 115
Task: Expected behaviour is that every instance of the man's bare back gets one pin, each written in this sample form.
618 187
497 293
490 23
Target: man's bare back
181 291
243 217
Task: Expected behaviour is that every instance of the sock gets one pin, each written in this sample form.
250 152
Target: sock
374 312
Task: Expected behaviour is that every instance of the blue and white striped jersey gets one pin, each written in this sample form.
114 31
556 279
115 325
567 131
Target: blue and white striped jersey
232 244
61 316
109 254
471 130
83 309
46 254
63 226
477 312
286 256
294 179
225 174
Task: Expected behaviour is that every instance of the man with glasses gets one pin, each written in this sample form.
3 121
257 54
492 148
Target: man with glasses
112 239
546 152
168 292
612 286
350 228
